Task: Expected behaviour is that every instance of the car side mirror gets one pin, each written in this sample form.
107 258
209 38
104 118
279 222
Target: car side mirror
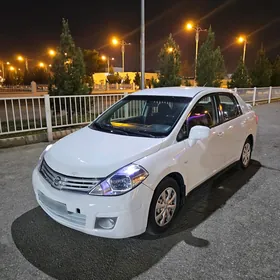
198 132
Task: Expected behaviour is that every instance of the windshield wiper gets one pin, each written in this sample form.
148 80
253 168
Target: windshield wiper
109 128
137 132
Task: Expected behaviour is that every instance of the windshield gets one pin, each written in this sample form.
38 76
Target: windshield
143 116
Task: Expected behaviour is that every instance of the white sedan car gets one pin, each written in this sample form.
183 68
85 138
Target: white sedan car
129 170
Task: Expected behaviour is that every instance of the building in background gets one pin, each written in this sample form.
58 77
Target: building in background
101 78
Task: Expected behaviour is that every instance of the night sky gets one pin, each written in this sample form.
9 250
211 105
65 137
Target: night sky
30 27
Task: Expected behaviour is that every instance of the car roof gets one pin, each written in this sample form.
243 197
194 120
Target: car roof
179 91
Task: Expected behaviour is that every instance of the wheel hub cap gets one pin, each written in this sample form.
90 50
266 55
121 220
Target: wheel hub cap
166 206
246 154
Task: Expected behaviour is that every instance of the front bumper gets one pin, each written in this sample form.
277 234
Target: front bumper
130 210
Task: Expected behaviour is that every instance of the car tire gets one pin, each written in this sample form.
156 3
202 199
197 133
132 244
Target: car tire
246 154
164 206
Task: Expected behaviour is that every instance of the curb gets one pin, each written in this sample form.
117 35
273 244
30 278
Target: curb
32 139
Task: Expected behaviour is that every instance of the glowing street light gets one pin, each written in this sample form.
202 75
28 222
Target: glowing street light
170 50
21 59
116 42
107 58
243 40
12 68
190 26
52 53
8 63
41 64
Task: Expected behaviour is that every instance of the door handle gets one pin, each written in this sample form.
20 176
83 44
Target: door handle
221 133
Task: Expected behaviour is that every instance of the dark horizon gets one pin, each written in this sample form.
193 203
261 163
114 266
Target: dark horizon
30 31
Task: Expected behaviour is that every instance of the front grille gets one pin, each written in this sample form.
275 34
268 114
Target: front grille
64 182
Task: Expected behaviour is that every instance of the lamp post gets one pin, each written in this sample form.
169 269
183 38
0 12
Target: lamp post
3 69
243 39
115 42
142 41
25 59
197 29
104 58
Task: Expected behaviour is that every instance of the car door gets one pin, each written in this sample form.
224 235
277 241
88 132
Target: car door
204 157
231 123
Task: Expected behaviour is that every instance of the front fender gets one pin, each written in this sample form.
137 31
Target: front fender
164 162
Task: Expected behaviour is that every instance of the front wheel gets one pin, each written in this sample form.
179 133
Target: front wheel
246 154
164 206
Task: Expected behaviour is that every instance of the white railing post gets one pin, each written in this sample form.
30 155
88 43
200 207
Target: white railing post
269 94
254 96
48 117
235 90
126 107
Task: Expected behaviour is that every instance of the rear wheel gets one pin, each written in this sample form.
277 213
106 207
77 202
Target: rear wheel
245 158
164 206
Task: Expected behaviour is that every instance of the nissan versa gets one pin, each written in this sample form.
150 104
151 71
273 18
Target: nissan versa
129 170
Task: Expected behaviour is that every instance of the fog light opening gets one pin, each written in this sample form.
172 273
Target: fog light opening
105 223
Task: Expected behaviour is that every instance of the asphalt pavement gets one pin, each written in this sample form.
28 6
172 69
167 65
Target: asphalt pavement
227 230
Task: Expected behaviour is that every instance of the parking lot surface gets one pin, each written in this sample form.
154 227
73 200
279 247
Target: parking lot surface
227 230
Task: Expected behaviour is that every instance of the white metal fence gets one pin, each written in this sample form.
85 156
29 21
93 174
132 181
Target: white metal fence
20 88
27 114
255 95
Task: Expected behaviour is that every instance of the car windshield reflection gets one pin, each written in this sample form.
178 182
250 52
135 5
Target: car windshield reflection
143 116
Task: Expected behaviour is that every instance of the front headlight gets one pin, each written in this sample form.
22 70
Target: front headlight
42 155
121 181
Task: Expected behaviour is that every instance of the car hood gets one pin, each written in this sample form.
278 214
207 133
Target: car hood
94 154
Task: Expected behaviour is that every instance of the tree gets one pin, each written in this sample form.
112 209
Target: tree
137 79
210 63
68 67
27 77
185 69
40 76
13 78
185 72
240 77
169 65
113 78
93 62
275 79
262 71
126 79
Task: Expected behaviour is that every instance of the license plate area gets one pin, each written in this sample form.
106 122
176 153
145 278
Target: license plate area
55 206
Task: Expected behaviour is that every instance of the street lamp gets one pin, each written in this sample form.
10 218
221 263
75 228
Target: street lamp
142 41
21 59
170 50
41 64
105 58
12 68
243 40
190 26
3 68
52 53
116 42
